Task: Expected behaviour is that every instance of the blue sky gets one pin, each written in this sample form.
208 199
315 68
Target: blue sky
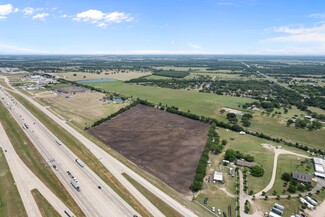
288 27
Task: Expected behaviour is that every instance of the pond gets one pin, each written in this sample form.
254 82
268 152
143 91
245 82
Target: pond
118 100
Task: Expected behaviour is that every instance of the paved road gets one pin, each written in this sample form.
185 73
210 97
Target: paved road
92 201
26 181
116 167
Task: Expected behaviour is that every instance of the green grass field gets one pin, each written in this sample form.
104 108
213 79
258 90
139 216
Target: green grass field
10 201
289 164
290 206
35 162
46 209
199 103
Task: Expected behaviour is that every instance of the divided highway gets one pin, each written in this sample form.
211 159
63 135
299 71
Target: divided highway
92 200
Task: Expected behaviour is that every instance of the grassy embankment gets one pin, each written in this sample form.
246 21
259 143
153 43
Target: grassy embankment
34 161
10 201
46 209
161 205
83 153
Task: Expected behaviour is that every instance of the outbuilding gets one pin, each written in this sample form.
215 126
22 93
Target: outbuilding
217 176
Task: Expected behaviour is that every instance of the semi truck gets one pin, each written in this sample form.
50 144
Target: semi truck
75 184
82 164
311 200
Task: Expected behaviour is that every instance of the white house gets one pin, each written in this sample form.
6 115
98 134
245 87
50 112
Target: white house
217 176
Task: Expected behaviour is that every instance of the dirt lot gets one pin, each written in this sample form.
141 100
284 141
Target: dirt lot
166 145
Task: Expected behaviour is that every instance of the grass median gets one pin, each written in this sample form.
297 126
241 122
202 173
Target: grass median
161 205
83 153
10 200
34 161
46 209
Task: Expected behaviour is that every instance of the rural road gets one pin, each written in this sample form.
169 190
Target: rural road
277 152
116 167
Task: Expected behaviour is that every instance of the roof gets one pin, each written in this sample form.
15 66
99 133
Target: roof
218 176
302 177
318 161
319 168
245 163
320 174
272 214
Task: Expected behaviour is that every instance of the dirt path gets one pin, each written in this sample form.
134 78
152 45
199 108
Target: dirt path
277 152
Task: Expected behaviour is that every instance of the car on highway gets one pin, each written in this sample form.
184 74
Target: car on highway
213 209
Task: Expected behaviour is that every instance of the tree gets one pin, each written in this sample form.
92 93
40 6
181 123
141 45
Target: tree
249 158
278 197
257 171
292 188
224 142
196 186
286 177
230 155
300 187
232 117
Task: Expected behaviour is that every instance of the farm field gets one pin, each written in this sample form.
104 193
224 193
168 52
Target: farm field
199 103
123 76
81 109
164 144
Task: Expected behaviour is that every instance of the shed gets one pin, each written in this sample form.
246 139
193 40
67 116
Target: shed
217 176
245 163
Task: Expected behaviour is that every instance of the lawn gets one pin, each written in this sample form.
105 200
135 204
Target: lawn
248 144
289 164
199 103
10 201
218 199
46 209
290 206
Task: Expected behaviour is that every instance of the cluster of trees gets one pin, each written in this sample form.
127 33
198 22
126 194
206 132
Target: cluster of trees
233 155
257 171
212 142
311 125
245 119
171 73
294 185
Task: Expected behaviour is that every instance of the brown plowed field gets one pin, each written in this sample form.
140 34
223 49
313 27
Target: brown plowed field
164 144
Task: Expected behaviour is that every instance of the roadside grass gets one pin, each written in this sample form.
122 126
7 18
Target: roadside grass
33 159
46 209
289 164
161 205
218 199
290 206
199 103
248 144
85 155
4 84
10 200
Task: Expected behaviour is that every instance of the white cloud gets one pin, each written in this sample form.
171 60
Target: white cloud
102 19
12 49
299 34
317 15
29 11
40 16
5 10
195 46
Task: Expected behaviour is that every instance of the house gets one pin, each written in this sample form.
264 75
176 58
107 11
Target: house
245 163
217 176
307 178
